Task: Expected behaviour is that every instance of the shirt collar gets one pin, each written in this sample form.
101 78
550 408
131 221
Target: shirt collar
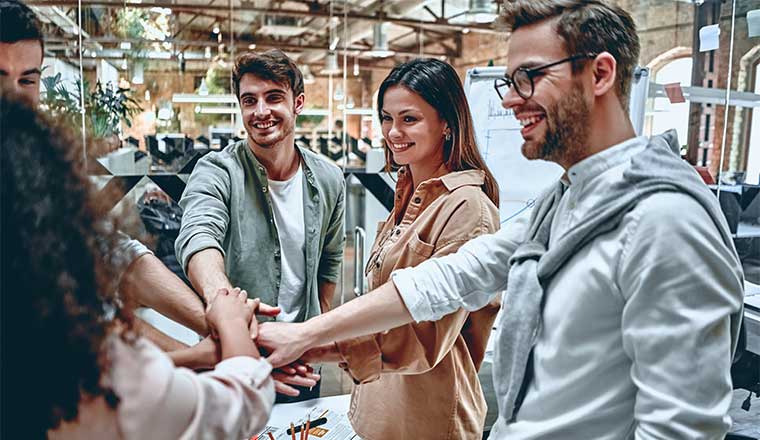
451 180
598 163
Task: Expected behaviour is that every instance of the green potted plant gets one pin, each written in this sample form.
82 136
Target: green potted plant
106 107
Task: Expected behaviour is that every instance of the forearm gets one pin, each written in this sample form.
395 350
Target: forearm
359 317
151 284
163 341
324 353
206 273
236 340
186 357
326 295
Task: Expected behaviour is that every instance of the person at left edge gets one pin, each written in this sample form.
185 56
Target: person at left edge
263 214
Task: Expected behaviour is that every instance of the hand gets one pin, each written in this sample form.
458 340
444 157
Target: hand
297 373
263 310
229 306
284 342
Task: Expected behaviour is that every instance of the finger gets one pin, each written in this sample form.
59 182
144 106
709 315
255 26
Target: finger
287 369
253 329
285 389
236 291
302 369
243 295
267 310
313 376
294 380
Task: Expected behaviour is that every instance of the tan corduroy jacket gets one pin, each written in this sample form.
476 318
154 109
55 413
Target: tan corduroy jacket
419 381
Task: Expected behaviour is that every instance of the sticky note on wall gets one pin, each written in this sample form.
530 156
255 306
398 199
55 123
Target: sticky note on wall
709 38
674 92
753 23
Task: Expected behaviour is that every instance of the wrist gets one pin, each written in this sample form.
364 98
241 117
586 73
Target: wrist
308 336
232 325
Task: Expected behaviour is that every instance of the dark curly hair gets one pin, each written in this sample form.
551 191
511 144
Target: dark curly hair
57 298
18 22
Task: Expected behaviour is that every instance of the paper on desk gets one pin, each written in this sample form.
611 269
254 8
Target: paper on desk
337 427
709 38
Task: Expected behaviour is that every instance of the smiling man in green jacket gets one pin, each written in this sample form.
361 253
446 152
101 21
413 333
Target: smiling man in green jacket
263 214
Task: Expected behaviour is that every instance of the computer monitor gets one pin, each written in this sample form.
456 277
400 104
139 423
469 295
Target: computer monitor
174 143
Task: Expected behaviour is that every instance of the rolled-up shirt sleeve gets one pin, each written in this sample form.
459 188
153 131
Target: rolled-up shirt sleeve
158 400
205 205
681 286
468 278
125 252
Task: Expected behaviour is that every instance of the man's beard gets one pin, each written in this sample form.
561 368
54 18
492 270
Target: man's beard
567 126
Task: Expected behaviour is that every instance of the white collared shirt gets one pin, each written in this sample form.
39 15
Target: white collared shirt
635 341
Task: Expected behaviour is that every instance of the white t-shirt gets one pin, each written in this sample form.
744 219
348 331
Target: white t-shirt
287 205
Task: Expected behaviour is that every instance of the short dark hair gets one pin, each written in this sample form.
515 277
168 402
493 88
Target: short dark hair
272 65
585 26
18 22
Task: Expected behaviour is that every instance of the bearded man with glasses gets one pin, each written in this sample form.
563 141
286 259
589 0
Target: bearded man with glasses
622 292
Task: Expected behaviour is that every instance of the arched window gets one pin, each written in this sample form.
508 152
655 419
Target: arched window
663 114
753 150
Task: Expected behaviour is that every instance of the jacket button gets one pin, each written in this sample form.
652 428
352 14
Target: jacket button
377 264
417 200
398 231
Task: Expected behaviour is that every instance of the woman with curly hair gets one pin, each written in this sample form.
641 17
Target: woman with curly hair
72 365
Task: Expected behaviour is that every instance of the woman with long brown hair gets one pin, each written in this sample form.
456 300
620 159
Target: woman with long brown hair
420 380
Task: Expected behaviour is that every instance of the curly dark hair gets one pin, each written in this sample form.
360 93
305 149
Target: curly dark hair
18 22
57 289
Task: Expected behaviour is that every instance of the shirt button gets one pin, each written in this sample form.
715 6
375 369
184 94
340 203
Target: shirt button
398 231
312 230
261 169
264 189
377 264
417 200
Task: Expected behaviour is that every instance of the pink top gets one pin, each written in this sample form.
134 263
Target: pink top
160 401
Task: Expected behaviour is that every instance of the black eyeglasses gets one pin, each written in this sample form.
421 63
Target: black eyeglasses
522 78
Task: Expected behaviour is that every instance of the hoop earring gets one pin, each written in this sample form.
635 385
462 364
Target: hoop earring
448 136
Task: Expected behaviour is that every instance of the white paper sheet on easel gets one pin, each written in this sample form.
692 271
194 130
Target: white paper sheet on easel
709 38
753 23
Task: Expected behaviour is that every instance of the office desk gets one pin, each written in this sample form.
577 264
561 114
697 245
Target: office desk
337 426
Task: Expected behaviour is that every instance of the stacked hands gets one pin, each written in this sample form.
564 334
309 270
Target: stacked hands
231 310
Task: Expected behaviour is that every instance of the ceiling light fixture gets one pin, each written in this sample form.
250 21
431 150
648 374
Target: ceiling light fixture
334 43
308 77
331 64
481 11
379 42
